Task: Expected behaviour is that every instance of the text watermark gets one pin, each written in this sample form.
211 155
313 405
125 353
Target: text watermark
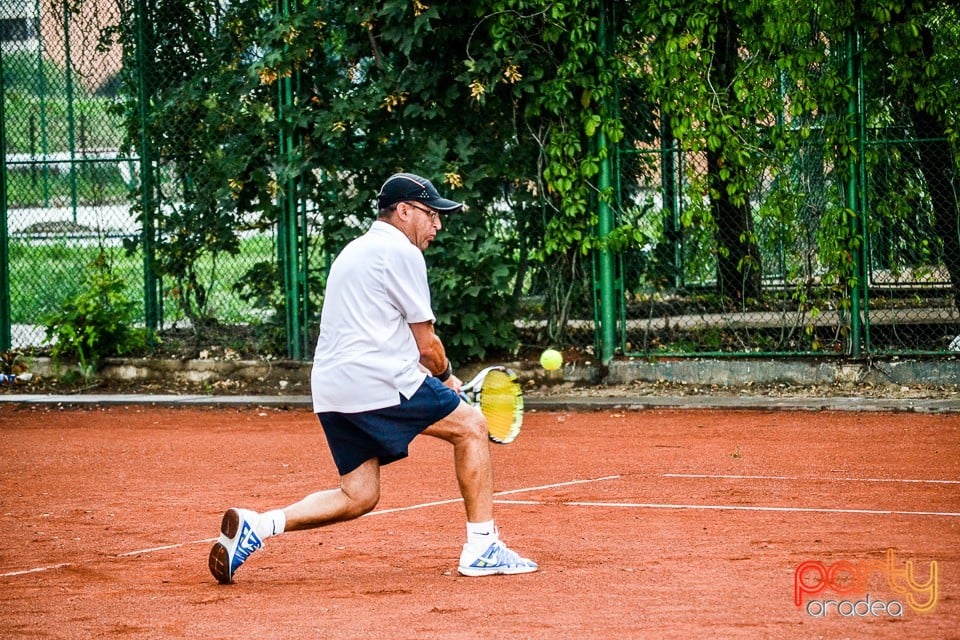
856 583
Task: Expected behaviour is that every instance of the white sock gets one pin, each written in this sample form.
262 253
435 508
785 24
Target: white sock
481 533
271 523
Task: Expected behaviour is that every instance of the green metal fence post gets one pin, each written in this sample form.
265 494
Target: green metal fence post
861 259
5 320
303 263
608 312
42 90
71 112
144 41
288 244
853 192
616 164
670 253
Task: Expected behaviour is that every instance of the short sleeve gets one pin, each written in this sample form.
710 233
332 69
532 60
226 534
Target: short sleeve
408 288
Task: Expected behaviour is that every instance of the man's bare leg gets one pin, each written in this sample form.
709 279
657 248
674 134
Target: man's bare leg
359 493
466 430
483 554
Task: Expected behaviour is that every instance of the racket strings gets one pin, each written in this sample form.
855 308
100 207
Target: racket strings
501 401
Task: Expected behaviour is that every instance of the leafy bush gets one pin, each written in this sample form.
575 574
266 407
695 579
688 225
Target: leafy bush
470 283
97 321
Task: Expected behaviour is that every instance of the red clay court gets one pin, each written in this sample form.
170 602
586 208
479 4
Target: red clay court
647 524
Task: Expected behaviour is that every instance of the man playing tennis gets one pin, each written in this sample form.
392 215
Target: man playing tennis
381 377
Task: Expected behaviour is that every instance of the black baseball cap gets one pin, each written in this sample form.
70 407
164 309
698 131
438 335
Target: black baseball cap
401 187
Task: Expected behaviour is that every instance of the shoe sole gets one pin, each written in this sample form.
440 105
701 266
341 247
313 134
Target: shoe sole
219 559
510 571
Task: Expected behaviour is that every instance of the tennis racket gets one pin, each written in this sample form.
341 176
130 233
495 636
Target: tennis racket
500 398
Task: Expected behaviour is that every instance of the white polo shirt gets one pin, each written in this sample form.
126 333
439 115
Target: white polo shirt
366 355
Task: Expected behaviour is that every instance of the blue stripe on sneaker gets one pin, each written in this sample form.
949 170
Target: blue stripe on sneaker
247 543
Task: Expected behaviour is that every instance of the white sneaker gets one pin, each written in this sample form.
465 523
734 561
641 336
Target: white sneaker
497 559
238 539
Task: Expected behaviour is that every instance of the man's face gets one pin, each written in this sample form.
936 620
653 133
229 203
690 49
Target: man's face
422 223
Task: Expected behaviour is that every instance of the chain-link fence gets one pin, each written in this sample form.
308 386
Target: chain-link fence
911 266
671 299
99 167
67 182
119 157
855 250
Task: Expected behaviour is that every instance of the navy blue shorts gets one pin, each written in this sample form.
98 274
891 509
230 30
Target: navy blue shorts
386 433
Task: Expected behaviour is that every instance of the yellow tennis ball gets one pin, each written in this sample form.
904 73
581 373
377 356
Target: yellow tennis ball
551 360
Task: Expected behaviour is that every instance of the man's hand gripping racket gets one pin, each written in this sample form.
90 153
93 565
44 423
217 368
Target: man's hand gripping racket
499 396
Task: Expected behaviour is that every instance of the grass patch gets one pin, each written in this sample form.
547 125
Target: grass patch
46 272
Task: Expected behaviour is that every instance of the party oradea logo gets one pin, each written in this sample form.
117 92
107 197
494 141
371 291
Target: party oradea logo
865 588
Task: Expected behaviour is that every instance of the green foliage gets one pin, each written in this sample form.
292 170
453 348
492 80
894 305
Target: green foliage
514 106
97 321
474 306
211 126
369 92
561 83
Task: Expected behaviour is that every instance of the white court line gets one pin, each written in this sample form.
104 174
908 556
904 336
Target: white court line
163 548
412 507
720 507
373 513
498 493
806 479
138 552
36 569
559 484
